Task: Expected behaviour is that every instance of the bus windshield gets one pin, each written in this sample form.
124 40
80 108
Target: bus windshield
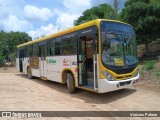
119 45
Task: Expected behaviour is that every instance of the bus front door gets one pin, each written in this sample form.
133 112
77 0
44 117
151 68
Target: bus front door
43 54
87 62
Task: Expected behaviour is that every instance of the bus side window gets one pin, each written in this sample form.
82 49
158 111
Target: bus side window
65 50
73 49
27 50
65 46
35 50
52 49
30 50
73 46
57 46
57 50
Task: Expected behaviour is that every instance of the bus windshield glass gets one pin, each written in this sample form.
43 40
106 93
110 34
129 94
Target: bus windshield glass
118 45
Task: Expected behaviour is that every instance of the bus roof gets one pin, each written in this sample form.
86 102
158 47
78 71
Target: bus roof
70 30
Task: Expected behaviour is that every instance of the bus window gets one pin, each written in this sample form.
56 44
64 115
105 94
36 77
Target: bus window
30 50
57 50
73 46
65 50
25 51
65 46
58 42
69 46
64 42
35 50
73 49
82 45
57 46
52 49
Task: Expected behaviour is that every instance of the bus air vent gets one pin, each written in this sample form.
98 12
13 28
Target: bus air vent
125 83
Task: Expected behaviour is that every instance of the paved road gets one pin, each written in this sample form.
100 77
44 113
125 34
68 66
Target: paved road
18 93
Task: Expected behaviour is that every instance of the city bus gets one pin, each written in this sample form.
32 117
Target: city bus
99 56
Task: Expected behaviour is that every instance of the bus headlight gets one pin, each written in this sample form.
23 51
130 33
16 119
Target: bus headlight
108 76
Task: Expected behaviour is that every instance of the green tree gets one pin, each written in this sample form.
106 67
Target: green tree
2 58
102 11
144 16
9 41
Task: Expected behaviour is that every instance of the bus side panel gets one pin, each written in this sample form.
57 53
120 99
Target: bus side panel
25 65
56 65
36 72
17 64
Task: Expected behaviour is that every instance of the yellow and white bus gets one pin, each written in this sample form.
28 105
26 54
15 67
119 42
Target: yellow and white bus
99 56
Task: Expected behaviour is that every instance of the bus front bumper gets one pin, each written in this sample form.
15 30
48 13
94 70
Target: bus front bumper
107 86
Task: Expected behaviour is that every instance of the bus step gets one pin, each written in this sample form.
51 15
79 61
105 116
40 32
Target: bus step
90 82
90 74
88 86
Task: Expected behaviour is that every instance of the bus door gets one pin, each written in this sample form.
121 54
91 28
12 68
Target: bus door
43 54
21 58
87 62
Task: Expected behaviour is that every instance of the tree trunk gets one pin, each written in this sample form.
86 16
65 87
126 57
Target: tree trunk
9 54
147 47
10 58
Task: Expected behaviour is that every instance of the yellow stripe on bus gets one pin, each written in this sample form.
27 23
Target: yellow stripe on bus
70 30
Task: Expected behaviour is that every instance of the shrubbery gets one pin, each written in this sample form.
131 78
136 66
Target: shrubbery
150 64
2 58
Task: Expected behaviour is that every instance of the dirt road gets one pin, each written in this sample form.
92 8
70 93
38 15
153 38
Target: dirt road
18 93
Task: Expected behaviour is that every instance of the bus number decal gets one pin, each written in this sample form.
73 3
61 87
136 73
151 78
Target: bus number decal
74 63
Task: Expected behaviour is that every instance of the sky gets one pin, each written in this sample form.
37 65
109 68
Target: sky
43 17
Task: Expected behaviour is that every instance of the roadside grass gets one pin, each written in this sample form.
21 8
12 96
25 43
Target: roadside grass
157 74
150 65
150 70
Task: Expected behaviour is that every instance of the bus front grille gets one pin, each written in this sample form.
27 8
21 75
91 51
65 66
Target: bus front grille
124 83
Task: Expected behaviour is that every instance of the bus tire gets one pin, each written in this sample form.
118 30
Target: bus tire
29 73
70 83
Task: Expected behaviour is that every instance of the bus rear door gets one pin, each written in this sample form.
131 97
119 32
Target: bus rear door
21 59
43 54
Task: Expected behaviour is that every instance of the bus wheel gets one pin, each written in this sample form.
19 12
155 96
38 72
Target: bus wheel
70 83
29 73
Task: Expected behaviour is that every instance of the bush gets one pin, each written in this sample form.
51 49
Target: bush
157 74
150 65
2 60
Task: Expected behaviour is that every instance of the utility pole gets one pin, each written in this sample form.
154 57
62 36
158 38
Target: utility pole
115 8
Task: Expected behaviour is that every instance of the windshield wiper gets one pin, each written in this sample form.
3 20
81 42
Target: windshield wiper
128 40
118 38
